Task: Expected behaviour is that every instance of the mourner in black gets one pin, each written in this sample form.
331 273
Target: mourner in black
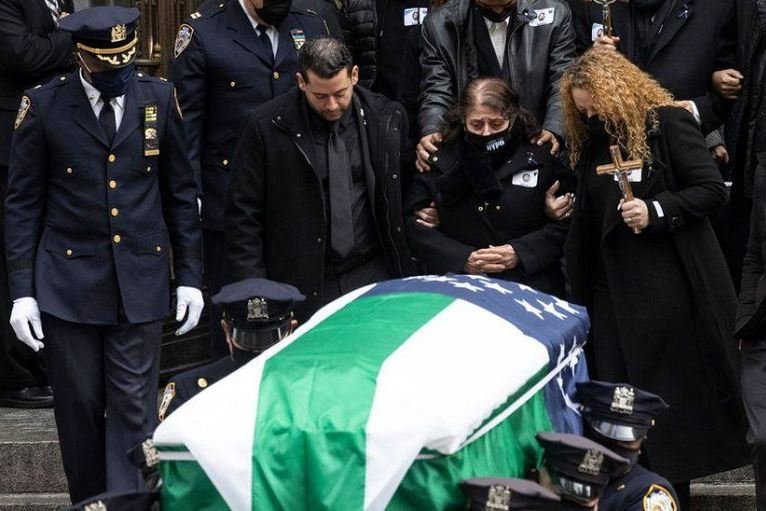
229 59
315 199
679 43
32 51
751 331
619 416
577 469
488 183
494 494
661 302
100 191
257 313
527 43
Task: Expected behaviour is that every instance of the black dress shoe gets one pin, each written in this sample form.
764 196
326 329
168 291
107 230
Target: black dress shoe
28 397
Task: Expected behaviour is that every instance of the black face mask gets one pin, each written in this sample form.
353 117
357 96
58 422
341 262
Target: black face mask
596 127
495 146
274 12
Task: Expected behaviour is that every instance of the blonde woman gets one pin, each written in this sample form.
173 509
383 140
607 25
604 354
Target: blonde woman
661 302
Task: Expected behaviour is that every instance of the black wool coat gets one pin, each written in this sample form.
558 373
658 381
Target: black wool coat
673 300
32 51
275 213
697 38
469 221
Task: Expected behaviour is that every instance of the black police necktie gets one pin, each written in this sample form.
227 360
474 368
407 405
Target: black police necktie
107 119
265 40
341 216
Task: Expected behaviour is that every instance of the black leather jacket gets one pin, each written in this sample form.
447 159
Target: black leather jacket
540 49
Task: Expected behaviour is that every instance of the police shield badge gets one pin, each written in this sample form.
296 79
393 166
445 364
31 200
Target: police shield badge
298 37
183 39
23 109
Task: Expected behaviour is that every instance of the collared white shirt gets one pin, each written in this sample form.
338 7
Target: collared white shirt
498 32
94 96
272 32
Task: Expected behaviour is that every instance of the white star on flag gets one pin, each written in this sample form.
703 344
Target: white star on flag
550 308
527 288
565 305
466 285
497 287
530 308
476 277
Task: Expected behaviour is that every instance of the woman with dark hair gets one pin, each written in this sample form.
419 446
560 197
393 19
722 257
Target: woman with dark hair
488 184
650 270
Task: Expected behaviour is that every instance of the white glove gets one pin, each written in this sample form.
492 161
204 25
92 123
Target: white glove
189 300
24 312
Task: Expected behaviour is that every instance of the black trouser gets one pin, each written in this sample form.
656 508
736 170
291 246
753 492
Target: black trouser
19 366
753 357
338 284
105 380
216 276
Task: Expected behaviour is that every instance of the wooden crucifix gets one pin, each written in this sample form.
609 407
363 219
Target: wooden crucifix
621 169
606 14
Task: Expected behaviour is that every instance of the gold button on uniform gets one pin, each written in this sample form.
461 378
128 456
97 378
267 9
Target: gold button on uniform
115 211
148 168
225 162
158 248
112 158
481 208
112 184
69 170
69 251
275 75
202 383
233 84
116 238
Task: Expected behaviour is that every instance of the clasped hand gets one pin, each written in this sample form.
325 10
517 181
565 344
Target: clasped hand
492 260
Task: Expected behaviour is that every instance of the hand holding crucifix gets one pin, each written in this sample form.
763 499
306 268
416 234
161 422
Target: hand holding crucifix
606 14
621 169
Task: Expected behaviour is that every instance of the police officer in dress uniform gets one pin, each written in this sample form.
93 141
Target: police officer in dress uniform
577 469
100 191
257 313
499 494
229 59
619 416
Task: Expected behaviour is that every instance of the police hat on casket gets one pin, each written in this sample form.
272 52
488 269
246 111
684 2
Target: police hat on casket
113 501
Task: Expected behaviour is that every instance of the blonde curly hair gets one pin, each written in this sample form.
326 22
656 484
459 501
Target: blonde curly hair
624 97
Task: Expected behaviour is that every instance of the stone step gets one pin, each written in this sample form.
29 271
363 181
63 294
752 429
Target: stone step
723 497
32 501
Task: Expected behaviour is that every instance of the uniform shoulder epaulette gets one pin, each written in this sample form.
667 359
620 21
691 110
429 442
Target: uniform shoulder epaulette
144 77
57 81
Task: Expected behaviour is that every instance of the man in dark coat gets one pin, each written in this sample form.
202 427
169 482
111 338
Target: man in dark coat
679 42
751 328
315 199
229 59
32 51
526 42
100 191
686 353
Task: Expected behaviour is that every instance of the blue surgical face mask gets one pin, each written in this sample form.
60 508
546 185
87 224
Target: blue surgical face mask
113 83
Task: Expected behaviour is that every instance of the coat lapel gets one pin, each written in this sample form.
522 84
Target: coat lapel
82 111
132 116
679 14
288 30
244 34
294 120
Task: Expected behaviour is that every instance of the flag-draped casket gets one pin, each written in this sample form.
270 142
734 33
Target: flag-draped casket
385 399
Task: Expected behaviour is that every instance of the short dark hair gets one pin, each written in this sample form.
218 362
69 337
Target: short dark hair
325 57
